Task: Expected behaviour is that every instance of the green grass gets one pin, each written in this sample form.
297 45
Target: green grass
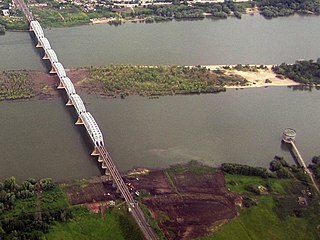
261 222
192 166
237 183
153 223
274 216
53 199
21 206
71 16
117 224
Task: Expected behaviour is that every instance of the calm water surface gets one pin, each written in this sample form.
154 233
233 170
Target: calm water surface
252 39
243 126
39 138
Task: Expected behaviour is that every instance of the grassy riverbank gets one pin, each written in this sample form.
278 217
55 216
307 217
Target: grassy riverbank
233 202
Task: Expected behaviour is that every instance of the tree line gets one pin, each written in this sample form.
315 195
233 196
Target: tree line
27 222
279 8
306 72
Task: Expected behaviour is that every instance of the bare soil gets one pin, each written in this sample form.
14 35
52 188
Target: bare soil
95 190
191 205
186 206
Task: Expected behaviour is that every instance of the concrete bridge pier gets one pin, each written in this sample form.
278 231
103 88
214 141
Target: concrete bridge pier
79 121
61 86
100 159
52 71
95 152
45 56
39 45
104 165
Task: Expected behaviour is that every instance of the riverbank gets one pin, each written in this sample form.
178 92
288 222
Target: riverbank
149 81
184 201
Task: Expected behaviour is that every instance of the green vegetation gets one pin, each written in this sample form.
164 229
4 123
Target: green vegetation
261 222
159 80
277 208
15 85
116 224
306 72
247 68
184 11
316 166
235 168
192 166
25 212
153 223
280 8
40 210
67 17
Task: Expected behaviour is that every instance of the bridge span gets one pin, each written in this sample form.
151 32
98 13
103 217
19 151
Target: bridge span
85 118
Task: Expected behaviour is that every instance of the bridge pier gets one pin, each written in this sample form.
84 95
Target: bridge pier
52 71
39 45
45 56
104 165
79 121
60 86
95 152
69 103
100 159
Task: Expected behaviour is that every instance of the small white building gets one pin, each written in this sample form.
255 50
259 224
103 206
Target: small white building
6 12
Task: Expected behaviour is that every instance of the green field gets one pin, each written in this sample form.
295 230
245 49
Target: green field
273 217
261 222
117 224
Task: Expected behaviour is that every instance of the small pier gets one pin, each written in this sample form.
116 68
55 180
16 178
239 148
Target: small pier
289 136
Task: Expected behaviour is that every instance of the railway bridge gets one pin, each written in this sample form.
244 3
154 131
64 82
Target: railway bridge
86 119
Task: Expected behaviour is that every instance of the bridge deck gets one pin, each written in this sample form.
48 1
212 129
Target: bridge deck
135 210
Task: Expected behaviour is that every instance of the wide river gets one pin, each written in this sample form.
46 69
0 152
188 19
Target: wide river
39 139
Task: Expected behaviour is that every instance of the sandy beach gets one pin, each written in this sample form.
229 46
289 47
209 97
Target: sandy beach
256 79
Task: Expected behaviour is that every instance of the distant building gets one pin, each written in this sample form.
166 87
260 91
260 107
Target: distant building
6 12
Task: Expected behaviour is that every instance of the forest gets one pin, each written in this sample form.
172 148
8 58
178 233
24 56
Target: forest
305 72
280 8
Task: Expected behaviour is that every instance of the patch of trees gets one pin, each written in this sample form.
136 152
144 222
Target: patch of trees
28 226
306 72
235 168
315 166
280 8
280 167
197 10
10 191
